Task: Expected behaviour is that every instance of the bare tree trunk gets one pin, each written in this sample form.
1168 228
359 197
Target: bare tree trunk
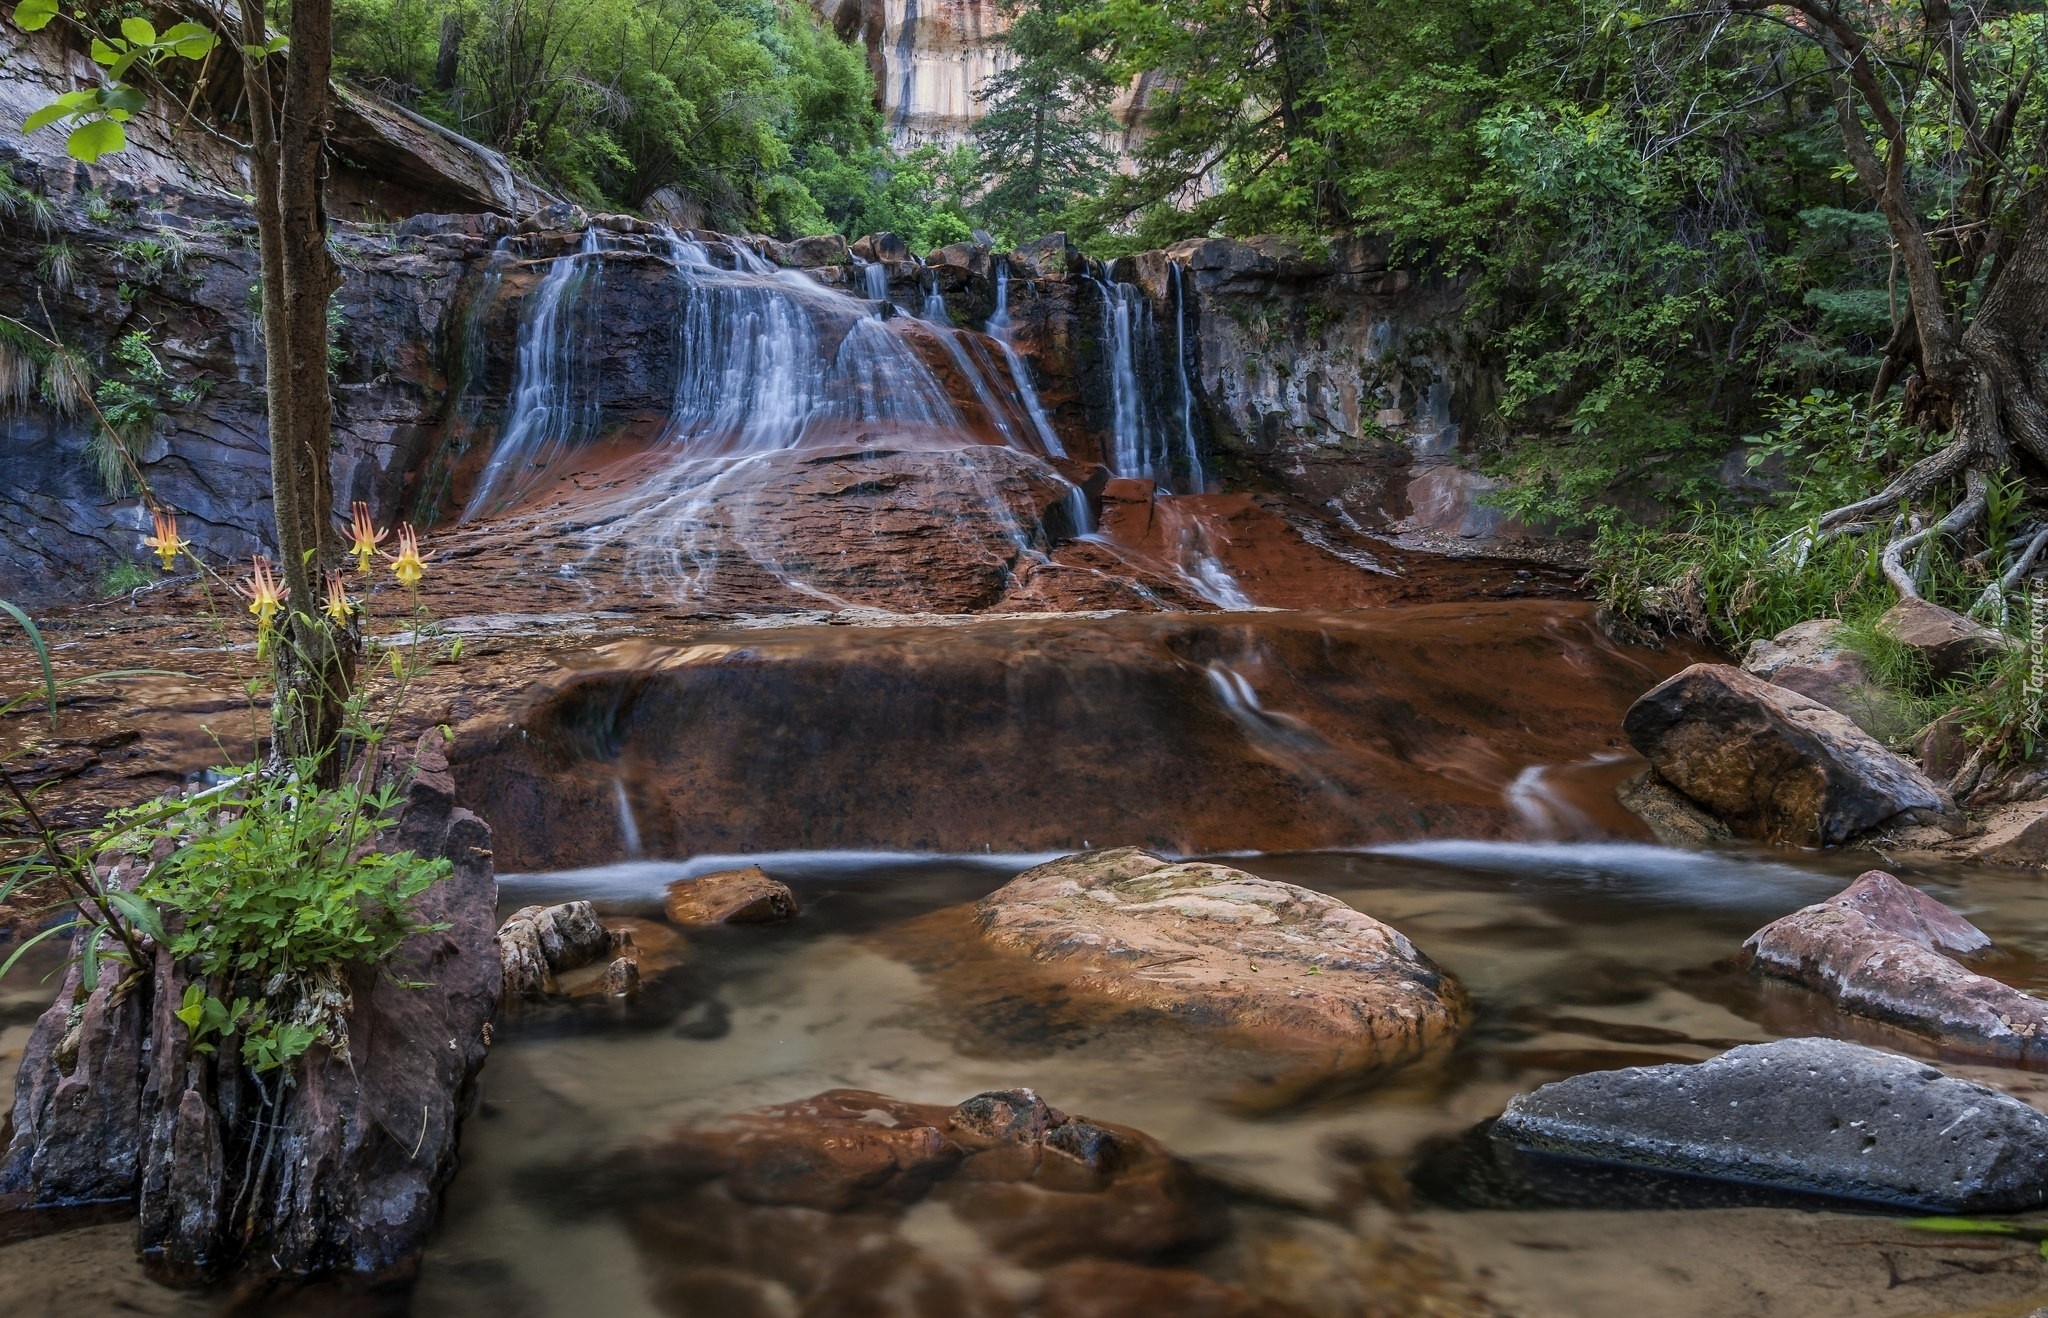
315 662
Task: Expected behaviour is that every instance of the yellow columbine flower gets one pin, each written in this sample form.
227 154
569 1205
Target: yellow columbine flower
339 606
165 544
408 564
363 537
263 592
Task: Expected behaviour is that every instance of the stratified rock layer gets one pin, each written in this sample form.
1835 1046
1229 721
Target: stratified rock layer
1770 763
1816 1116
1886 951
1217 948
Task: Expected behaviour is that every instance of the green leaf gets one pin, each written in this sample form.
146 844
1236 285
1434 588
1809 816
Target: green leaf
1963 1226
120 68
125 97
51 932
44 117
193 1006
89 964
190 40
34 15
141 913
35 639
102 53
139 30
95 138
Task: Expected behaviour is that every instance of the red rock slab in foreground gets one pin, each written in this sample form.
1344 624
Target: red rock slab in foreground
1883 950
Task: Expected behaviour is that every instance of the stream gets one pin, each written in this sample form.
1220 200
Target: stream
830 594
1578 956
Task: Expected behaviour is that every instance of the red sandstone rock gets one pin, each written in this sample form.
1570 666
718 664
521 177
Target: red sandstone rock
745 896
1884 950
1949 642
1773 764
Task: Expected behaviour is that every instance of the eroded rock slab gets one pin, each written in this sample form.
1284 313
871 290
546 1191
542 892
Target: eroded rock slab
1220 949
743 896
1815 1116
1773 764
1949 642
1884 950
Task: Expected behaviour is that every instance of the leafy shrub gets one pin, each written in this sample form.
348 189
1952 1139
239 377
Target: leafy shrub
122 578
271 890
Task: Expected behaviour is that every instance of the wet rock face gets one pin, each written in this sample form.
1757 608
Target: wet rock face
1184 733
745 896
1770 763
803 1199
1883 950
358 1151
1219 949
1816 1116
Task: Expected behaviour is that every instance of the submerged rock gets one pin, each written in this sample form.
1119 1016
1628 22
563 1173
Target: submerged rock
1218 949
745 896
806 1197
1773 764
1673 819
1884 950
1816 1116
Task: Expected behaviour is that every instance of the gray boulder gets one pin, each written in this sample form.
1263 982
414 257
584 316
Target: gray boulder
1816 1116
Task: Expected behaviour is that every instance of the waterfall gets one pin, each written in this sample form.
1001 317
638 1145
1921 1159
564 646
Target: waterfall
755 374
1020 370
553 404
875 280
1191 451
1139 442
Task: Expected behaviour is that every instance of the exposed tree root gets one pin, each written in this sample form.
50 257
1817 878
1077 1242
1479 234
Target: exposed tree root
1977 487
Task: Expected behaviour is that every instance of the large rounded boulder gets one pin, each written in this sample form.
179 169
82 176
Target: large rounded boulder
1217 949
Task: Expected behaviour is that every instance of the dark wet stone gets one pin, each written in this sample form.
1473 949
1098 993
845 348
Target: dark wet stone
1817 1116
1772 764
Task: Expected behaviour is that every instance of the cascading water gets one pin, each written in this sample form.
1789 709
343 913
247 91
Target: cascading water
756 374
1020 370
1191 452
554 404
1141 444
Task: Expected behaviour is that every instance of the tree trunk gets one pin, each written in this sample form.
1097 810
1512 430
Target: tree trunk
315 663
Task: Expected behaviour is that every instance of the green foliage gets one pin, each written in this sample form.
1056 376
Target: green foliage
122 578
97 114
272 886
1041 135
753 110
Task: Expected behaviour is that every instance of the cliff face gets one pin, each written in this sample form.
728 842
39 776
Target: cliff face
930 58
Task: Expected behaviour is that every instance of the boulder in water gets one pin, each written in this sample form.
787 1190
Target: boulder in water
1814 1116
1773 764
1040 1186
1886 951
745 896
1218 949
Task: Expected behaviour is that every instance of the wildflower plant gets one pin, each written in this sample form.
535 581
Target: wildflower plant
267 889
